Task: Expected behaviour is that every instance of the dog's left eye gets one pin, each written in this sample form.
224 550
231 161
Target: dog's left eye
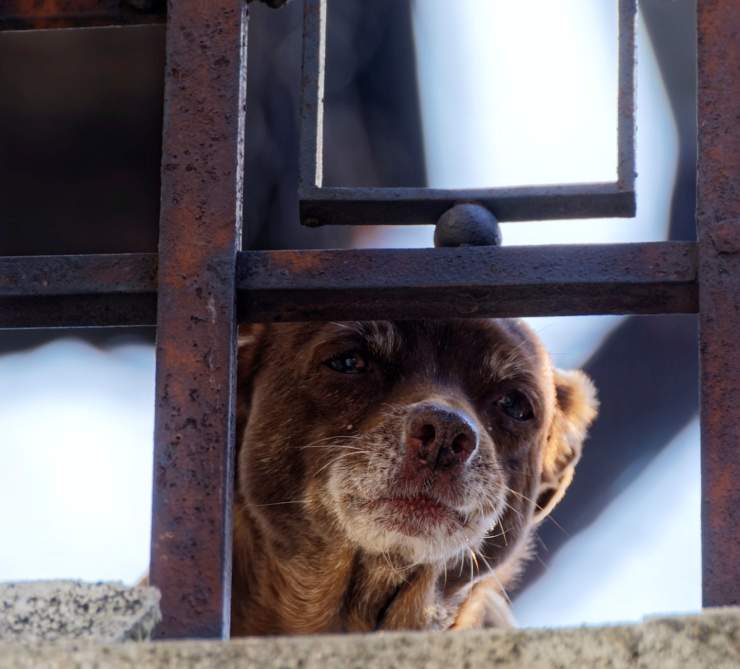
515 405
350 362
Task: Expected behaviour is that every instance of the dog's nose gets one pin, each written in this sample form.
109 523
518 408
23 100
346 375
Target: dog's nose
439 437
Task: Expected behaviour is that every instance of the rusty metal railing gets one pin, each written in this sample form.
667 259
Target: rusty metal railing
121 289
336 205
199 286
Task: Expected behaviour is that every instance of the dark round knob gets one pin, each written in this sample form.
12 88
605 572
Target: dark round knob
467 224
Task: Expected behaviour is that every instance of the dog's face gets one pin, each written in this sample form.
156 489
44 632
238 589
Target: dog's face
421 440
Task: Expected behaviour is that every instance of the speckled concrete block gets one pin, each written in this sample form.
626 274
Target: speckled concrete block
707 641
53 610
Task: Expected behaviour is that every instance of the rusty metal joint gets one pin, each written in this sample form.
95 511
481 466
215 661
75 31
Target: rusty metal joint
725 237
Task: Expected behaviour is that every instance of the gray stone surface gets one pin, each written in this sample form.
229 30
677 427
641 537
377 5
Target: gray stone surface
711 640
51 610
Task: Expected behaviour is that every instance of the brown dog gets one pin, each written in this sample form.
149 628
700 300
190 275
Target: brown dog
390 474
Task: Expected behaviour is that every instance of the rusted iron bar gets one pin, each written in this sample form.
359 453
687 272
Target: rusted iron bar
99 274
718 230
424 206
311 152
303 285
45 14
199 235
468 282
75 311
74 291
324 205
626 97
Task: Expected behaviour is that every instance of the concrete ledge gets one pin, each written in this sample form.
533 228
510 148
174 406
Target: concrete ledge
55 610
710 640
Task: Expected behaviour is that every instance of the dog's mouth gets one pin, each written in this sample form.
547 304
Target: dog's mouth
416 516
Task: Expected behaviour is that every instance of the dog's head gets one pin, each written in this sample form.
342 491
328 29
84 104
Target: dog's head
417 439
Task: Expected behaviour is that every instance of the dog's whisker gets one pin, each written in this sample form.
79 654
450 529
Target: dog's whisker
493 536
513 509
462 566
558 525
334 439
338 458
501 586
545 566
539 508
333 446
289 501
473 564
485 561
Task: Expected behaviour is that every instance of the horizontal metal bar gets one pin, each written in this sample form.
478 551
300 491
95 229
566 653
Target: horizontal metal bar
99 274
78 291
468 282
420 206
45 14
78 311
95 290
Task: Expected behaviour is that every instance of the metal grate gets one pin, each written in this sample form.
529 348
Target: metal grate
322 205
199 286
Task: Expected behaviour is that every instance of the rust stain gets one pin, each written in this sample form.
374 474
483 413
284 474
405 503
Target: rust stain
298 262
725 236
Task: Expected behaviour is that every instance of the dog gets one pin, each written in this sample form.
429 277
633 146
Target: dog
390 475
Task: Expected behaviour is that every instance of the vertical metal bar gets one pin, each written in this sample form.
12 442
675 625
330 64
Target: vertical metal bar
199 235
626 97
718 229
312 96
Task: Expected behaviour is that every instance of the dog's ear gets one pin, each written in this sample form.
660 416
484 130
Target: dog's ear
575 410
251 340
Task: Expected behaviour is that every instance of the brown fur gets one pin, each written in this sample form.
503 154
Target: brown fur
323 467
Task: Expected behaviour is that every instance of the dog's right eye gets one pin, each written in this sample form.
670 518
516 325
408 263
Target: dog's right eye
350 362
